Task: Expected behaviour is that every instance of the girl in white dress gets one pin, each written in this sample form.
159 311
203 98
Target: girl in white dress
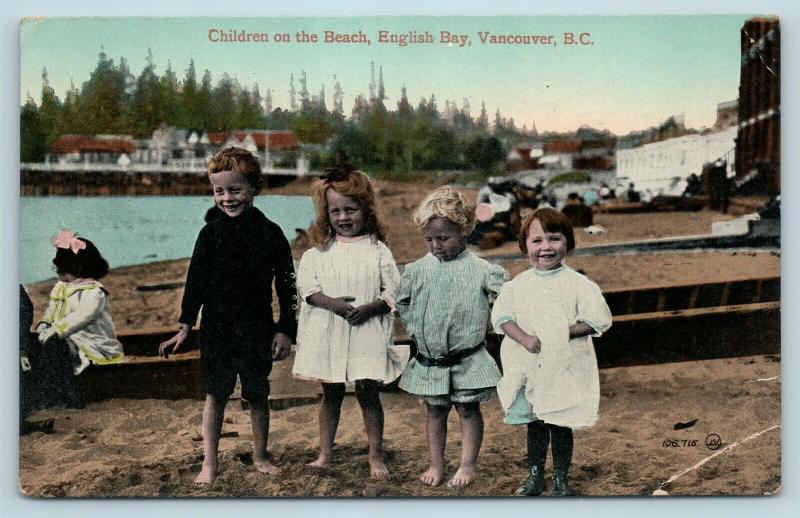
550 379
76 330
347 286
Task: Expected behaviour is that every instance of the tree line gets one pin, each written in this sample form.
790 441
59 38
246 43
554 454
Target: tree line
376 137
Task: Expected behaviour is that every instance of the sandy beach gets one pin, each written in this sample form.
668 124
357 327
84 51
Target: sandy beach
147 447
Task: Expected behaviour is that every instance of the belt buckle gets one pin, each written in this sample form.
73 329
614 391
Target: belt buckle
440 361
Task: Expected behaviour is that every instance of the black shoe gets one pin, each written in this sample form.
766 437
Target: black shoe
534 484
560 482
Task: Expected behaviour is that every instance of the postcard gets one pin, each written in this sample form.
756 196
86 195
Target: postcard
405 256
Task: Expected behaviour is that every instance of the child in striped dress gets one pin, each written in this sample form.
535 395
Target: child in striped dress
444 301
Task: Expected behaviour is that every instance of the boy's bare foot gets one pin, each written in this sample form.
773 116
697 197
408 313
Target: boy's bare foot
206 476
265 466
377 469
322 461
432 477
463 476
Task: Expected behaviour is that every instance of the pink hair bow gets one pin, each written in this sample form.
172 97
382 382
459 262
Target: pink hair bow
68 240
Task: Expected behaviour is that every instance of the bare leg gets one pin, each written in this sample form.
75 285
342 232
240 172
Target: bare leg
371 409
436 432
471 438
329 411
213 412
259 419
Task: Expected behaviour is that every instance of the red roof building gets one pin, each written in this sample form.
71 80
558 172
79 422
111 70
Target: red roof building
81 144
278 140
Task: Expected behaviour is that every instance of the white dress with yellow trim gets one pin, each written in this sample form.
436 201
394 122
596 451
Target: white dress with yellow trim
80 313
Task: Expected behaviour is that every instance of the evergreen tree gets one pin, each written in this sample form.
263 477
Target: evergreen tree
32 145
49 112
292 94
338 95
202 113
268 102
127 81
404 109
304 96
482 124
360 109
258 102
372 86
357 144
498 121
191 118
147 110
223 105
248 113
70 119
169 99
100 104
483 152
381 89
321 99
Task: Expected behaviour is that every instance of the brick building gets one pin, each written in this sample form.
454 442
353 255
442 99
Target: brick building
758 138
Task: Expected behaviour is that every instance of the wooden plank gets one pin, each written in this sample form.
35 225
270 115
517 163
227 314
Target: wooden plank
697 312
693 298
655 337
697 334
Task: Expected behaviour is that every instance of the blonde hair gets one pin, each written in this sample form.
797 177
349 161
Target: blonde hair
355 185
445 202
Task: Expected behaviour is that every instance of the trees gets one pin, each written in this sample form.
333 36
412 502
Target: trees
402 139
484 152
101 98
32 137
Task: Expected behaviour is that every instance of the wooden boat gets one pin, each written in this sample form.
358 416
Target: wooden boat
652 324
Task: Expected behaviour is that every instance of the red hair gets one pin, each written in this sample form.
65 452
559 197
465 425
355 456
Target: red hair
355 185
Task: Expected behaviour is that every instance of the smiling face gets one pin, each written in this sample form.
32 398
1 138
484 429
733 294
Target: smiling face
546 250
444 239
233 194
345 213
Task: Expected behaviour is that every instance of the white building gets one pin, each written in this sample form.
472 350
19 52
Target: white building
655 167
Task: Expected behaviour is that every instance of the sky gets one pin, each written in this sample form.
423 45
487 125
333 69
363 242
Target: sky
632 73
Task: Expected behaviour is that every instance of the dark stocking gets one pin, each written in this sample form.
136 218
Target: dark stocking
538 441
562 446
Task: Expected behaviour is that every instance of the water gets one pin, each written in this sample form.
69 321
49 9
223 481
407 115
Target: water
133 229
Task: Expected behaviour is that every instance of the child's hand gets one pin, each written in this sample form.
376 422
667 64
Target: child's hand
46 334
532 344
41 327
341 305
281 346
362 313
173 344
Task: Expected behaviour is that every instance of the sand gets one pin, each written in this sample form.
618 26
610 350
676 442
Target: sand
146 447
